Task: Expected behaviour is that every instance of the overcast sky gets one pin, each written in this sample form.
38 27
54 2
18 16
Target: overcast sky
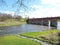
37 8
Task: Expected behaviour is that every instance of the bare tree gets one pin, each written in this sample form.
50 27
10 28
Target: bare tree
21 4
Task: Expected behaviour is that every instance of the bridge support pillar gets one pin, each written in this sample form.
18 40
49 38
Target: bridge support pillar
49 24
58 25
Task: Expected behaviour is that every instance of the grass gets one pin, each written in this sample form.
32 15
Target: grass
11 22
14 40
47 35
37 34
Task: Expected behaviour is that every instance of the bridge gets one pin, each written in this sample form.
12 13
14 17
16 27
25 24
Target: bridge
48 21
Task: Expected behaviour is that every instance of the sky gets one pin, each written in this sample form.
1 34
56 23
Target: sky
37 8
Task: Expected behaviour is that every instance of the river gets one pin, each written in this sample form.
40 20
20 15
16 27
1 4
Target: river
22 29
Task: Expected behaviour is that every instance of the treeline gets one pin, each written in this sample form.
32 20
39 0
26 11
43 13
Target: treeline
4 17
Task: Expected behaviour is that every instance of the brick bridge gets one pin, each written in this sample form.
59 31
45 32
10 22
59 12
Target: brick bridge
48 21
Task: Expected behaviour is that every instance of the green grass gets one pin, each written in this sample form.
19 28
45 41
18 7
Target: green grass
47 35
37 34
11 22
14 40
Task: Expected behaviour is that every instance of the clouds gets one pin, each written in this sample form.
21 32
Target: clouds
35 6
37 9
52 2
48 8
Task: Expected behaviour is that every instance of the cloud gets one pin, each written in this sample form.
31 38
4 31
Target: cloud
44 11
47 8
52 2
35 6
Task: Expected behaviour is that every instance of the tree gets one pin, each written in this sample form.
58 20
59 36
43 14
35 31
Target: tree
18 18
20 4
4 17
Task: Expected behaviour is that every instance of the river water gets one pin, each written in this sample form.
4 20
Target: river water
22 29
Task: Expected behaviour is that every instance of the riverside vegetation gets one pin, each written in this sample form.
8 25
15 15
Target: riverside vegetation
50 36
9 20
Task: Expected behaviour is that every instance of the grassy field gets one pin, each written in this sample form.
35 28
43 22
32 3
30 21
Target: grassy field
11 22
37 34
14 40
47 35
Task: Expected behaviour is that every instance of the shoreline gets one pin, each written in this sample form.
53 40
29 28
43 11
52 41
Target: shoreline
14 23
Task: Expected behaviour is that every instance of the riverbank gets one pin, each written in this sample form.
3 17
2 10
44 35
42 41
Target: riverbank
49 36
15 40
39 41
11 22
